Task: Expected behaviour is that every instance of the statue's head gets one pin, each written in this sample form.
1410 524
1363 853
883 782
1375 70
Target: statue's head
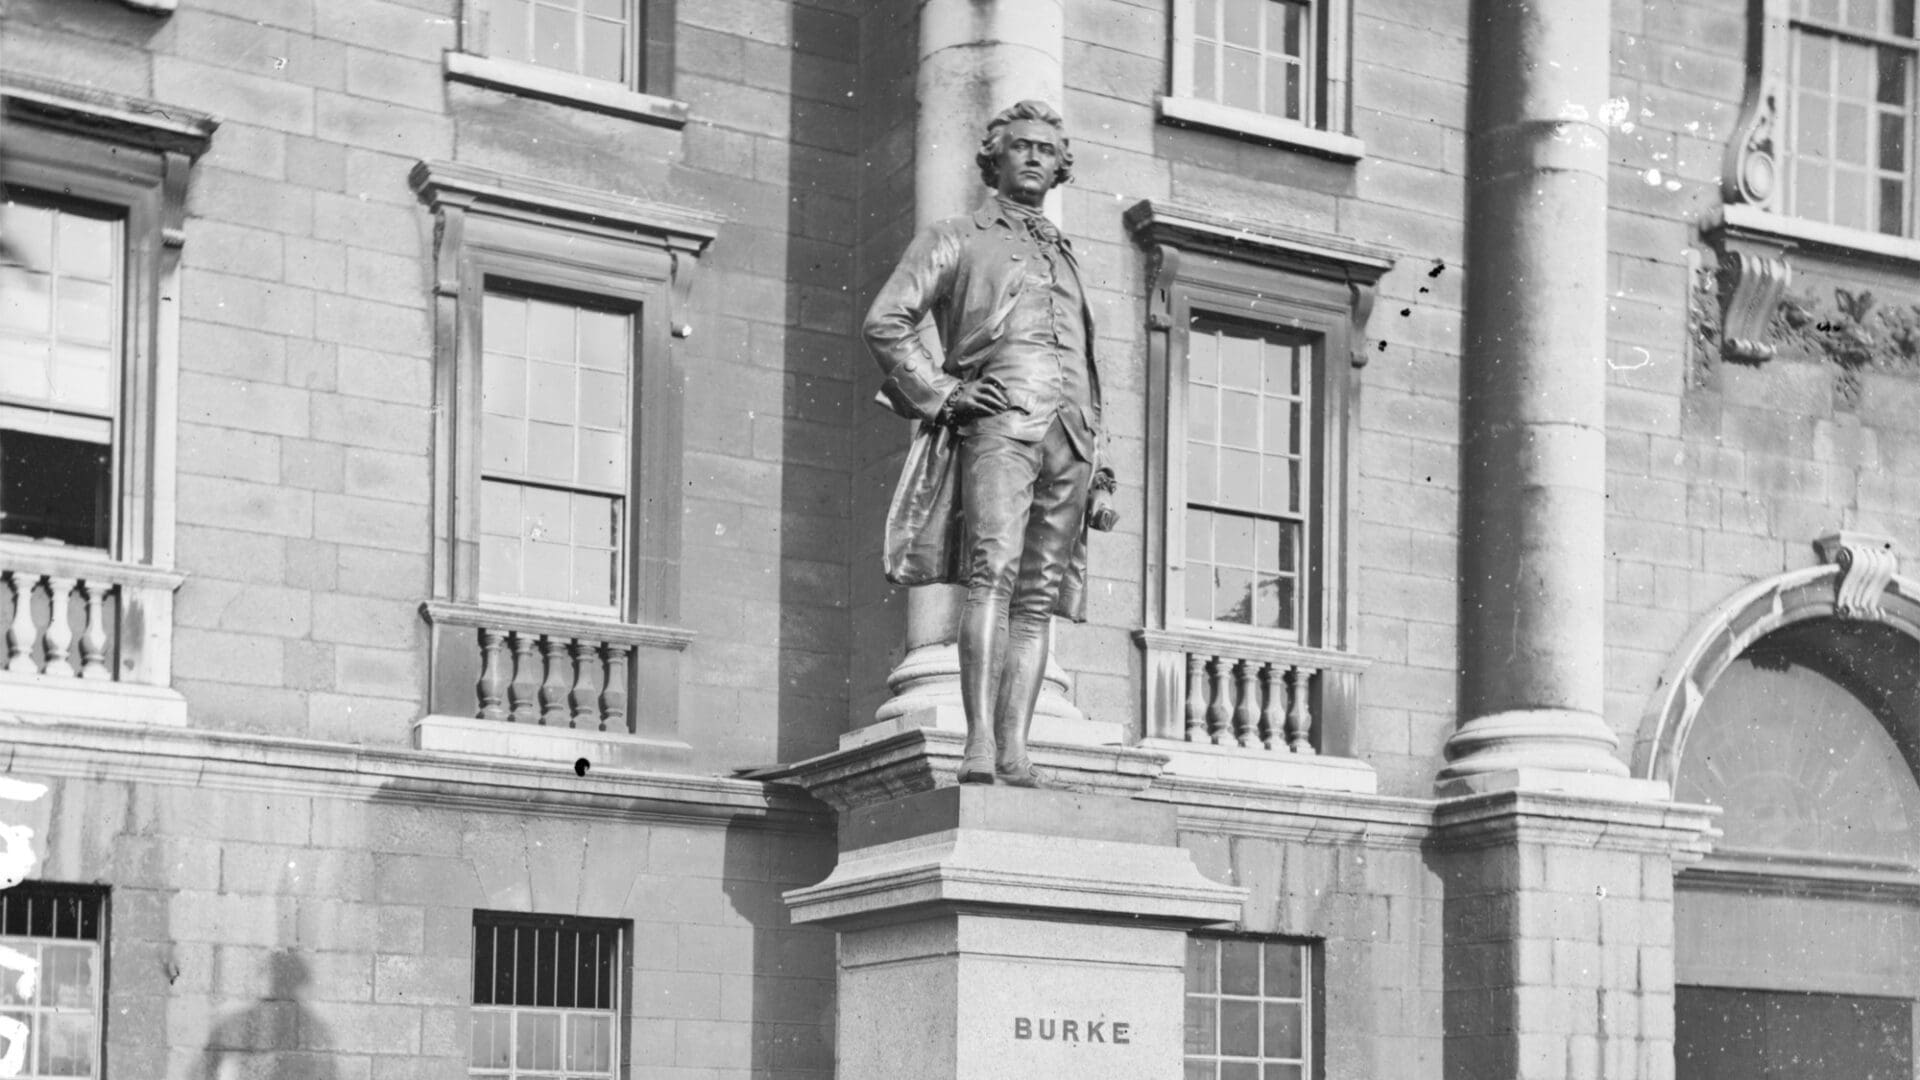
1024 116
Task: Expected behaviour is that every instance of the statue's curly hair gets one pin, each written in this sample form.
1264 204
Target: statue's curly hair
997 128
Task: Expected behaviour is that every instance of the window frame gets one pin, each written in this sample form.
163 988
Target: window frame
1193 302
1312 998
77 145
646 95
576 241
501 274
1295 280
1326 131
622 987
100 897
1799 30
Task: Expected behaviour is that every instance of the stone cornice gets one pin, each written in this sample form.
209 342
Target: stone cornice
1293 814
1506 818
1796 874
1267 243
84 110
547 201
259 763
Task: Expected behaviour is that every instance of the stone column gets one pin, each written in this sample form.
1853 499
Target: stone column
976 58
1533 402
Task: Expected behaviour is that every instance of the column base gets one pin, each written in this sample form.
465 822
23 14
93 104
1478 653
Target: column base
1530 741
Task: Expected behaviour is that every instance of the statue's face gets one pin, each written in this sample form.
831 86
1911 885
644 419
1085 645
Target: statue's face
1028 160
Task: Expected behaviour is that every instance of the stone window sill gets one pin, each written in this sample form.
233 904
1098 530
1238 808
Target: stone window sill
1193 112
530 80
1816 235
536 742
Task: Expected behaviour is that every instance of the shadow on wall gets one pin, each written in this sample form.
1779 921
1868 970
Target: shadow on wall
792 967
819 361
277 1036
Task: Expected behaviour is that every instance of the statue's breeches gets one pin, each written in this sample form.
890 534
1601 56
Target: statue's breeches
1024 504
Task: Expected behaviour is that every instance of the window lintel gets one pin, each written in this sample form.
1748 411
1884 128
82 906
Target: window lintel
99 114
1172 230
552 203
1264 243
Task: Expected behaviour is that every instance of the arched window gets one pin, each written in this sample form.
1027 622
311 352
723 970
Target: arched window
1801 742
1793 957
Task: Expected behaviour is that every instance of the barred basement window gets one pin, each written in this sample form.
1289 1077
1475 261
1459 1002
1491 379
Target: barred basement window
1250 1009
50 1022
547 997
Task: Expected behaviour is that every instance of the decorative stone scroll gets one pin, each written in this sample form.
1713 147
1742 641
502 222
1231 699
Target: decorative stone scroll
1867 564
1858 578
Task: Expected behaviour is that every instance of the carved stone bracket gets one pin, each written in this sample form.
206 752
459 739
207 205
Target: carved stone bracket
1867 563
1752 171
1754 275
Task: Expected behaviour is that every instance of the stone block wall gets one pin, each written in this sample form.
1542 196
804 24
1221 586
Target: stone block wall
306 381
1375 908
1719 473
266 928
1410 75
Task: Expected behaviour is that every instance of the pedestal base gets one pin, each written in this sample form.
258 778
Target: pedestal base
1008 934
1076 729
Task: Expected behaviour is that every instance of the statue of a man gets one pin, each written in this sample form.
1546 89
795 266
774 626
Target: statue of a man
1005 510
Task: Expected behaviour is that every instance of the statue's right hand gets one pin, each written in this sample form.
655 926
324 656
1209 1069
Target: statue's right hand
972 400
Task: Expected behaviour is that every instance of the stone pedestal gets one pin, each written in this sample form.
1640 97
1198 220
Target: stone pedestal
1559 933
1006 934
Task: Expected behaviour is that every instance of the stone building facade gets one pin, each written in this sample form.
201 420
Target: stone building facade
440 506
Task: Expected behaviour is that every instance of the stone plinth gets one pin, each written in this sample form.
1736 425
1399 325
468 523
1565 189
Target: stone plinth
1559 932
1007 934
914 759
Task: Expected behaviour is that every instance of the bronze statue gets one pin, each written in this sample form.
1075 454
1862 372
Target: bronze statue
996 488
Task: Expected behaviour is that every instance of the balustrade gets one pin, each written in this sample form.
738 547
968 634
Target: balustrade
550 670
1231 691
75 615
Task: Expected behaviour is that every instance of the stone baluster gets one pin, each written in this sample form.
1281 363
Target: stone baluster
553 691
22 634
1196 698
585 700
1299 715
93 634
522 690
1246 713
613 687
492 686
1273 712
59 634
1220 708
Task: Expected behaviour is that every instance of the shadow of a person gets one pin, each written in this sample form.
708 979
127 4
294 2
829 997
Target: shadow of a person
277 1037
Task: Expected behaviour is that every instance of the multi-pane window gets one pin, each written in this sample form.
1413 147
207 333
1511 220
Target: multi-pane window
546 997
595 38
557 408
50 1022
61 305
1850 140
1247 473
1249 1009
1255 54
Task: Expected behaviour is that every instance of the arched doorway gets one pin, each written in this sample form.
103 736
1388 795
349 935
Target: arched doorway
1797 941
